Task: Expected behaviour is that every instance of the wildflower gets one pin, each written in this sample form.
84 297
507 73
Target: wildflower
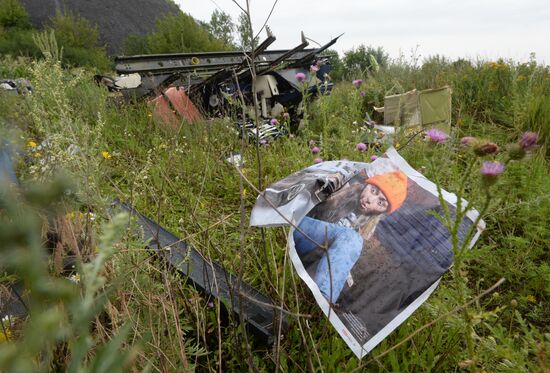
362 93
317 160
486 148
105 154
312 143
286 116
210 305
263 142
5 335
361 147
521 77
490 171
300 77
357 82
31 144
436 136
531 298
373 158
528 140
274 122
315 150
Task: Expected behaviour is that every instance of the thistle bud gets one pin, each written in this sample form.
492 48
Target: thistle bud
486 148
516 152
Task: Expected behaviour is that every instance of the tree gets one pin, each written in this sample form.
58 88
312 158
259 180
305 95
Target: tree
80 41
12 14
245 32
338 68
221 27
71 30
180 33
360 58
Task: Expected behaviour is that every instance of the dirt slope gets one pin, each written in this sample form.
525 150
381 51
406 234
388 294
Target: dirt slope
115 19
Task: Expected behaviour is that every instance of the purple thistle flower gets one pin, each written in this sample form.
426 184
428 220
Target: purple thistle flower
263 142
357 82
373 158
286 115
315 150
528 140
274 122
436 136
317 160
362 93
300 77
491 170
361 147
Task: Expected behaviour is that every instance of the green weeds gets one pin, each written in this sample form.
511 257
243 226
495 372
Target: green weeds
181 180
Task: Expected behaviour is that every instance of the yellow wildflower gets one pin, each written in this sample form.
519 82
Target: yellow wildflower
37 155
521 77
106 155
31 144
5 336
531 298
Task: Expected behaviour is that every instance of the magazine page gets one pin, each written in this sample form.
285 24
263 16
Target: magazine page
372 248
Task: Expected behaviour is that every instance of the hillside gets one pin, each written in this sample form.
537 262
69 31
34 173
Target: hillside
114 19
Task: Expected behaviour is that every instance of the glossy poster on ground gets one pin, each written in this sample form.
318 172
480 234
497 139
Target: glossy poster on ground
366 238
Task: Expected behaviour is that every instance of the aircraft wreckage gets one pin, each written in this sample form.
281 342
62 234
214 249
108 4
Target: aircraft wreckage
190 86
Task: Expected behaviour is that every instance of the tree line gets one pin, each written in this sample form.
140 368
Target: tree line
175 33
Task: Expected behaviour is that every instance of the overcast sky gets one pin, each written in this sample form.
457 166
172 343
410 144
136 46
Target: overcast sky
485 29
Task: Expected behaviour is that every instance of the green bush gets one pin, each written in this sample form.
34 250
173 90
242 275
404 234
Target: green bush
80 41
18 42
361 58
135 44
12 14
181 33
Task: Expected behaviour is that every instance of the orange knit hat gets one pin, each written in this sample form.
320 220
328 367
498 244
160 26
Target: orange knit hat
394 187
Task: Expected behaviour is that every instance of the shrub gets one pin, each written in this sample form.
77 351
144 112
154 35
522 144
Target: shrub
12 14
181 33
18 42
80 41
359 58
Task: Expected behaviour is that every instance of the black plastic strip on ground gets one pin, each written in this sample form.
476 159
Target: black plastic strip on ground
211 278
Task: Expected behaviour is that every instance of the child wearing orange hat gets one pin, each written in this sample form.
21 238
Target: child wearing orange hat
343 222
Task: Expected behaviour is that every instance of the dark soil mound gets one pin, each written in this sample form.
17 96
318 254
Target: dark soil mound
115 19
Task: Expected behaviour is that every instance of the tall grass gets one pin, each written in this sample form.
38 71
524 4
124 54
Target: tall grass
181 179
